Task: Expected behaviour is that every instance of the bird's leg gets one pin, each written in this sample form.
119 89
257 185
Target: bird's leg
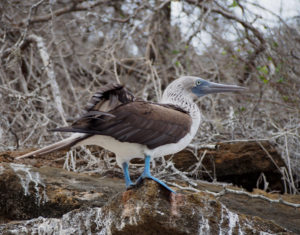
147 174
128 181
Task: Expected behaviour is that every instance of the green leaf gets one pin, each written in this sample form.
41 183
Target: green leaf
285 98
275 44
280 80
175 52
264 79
224 52
263 70
234 4
242 109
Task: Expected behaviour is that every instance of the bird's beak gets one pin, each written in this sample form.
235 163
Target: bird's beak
212 87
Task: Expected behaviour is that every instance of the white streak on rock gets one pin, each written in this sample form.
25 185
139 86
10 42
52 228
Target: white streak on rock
1 170
204 226
103 222
221 221
233 221
265 233
26 176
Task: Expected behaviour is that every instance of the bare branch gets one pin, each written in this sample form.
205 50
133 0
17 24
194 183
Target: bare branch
50 73
85 5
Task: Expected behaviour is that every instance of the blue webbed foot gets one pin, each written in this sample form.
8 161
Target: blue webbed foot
147 174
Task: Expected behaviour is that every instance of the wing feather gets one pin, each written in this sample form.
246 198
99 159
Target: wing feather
108 97
137 122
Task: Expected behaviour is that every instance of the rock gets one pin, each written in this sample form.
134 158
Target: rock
50 200
55 159
54 201
27 192
271 207
150 209
240 163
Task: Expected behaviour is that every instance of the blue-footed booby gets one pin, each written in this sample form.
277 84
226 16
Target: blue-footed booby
133 128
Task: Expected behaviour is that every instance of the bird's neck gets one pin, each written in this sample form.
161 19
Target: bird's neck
174 94
184 101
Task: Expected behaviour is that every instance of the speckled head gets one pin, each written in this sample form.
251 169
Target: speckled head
196 87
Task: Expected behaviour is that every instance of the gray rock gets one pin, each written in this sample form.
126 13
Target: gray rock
88 205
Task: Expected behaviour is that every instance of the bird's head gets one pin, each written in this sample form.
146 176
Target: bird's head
200 87
196 87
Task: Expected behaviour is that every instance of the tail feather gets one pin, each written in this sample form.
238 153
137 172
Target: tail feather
63 144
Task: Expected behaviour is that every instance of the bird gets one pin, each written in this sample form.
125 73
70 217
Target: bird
133 128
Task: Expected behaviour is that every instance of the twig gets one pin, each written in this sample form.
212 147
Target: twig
70 8
115 67
184 188
240 192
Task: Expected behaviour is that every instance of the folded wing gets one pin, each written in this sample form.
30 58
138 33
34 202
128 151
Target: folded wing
140 122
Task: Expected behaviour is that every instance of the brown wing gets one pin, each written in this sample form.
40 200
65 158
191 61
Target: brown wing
108 97
138 122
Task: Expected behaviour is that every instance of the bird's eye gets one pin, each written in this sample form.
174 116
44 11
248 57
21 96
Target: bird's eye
198 82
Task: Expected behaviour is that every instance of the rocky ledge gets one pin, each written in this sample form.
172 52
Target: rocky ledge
49 200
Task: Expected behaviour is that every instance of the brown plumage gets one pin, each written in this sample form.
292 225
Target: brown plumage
105 99
138 122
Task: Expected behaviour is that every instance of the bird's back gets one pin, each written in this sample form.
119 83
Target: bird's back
139 122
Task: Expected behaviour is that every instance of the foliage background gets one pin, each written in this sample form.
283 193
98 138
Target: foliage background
55 54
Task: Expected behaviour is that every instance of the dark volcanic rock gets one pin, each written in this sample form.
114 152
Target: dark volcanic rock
50 200
55 159
84 204
27 192
240 163
151 210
